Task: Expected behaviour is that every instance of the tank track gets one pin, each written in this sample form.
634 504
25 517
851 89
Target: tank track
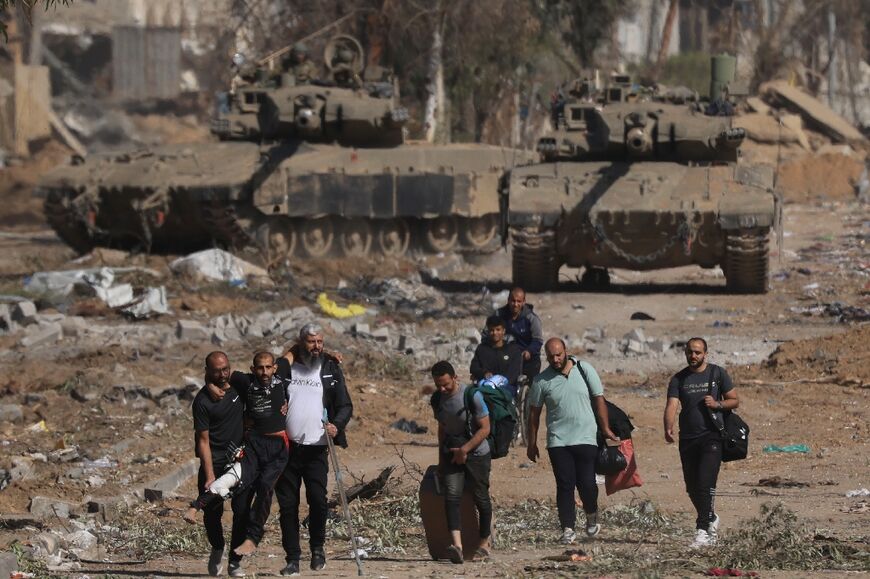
223 224
535 265
746 261
67 223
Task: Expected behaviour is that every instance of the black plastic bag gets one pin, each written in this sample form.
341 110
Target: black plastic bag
610 460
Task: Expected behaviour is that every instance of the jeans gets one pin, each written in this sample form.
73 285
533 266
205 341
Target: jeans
574 467
308 464
701 458
477 469
213 513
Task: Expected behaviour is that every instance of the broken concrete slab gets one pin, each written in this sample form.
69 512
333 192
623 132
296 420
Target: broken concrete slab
46 507
11 413
42 335
74 326
7 324
819 115
361 329
24 313
381 334
170 482
8 564
636 334
22 468
191 330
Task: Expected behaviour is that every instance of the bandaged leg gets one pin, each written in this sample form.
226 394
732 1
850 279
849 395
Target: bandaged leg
224 485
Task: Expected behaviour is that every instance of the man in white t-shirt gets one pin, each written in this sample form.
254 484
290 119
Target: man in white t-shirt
315 385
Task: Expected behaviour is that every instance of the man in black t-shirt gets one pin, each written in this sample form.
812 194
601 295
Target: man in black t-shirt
219 427
495 356
266 445
702 391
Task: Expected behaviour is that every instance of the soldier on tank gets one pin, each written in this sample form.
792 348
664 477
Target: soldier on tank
343 72
299 65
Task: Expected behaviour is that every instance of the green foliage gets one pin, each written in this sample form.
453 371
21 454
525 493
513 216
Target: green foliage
27 564
138 533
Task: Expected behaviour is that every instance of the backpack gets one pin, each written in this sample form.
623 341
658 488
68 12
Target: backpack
502 416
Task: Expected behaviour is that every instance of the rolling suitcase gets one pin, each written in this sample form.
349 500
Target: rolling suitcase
434 516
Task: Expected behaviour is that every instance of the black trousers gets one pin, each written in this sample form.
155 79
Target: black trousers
214 511
574 467
308 464
477 468
262 464
264 461
701 458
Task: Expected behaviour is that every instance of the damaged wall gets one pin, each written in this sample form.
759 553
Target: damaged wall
23 106
146 62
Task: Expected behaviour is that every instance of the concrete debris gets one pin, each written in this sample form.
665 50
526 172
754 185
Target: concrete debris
636 334
360 329
594 334
46 508
24 313
41 335
7 324
22 468
816 113
219 265
8 561
381 334
191 331
11 413
82 540
74 326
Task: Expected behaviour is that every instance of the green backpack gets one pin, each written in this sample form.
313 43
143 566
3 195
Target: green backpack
502 416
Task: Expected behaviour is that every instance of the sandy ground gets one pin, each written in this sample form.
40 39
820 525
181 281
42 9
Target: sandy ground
802 376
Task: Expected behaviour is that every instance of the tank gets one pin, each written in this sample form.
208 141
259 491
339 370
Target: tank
629 179
311 169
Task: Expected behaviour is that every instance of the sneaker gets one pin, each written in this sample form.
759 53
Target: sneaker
292 568
568 536
713 529
234 569
215 562
318 560
702 539
592 526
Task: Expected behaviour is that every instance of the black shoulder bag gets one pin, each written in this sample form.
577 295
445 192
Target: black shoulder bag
610 459
732 428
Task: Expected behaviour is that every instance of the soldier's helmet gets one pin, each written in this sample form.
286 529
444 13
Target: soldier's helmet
299 52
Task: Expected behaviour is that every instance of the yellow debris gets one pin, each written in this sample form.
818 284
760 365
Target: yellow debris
330 308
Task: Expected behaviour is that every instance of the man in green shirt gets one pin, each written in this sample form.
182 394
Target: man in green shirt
572 433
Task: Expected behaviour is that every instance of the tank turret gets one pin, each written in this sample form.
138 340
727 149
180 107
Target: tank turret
630 179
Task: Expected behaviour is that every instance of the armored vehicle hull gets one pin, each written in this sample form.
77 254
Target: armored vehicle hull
639 216
290 198
308 168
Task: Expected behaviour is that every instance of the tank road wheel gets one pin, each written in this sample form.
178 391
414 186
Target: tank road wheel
535 266
441 233
478 232
316 236
394 237
276 239
66 224
746 261
355 237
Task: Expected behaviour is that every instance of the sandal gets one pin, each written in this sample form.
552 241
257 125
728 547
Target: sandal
454 553
482 554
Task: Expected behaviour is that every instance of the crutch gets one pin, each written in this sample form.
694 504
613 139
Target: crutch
337 469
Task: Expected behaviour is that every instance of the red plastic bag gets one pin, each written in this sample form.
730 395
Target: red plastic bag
628 478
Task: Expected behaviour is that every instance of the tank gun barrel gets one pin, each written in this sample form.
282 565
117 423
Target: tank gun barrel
639 133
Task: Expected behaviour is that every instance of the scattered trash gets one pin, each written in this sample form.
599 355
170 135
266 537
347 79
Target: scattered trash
862 492
804 271
570 555
641 316
152 302
780 482
859 507
100 282
789 448
38 427
579 307
721 324
811 286
410 426
219 265
330 308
